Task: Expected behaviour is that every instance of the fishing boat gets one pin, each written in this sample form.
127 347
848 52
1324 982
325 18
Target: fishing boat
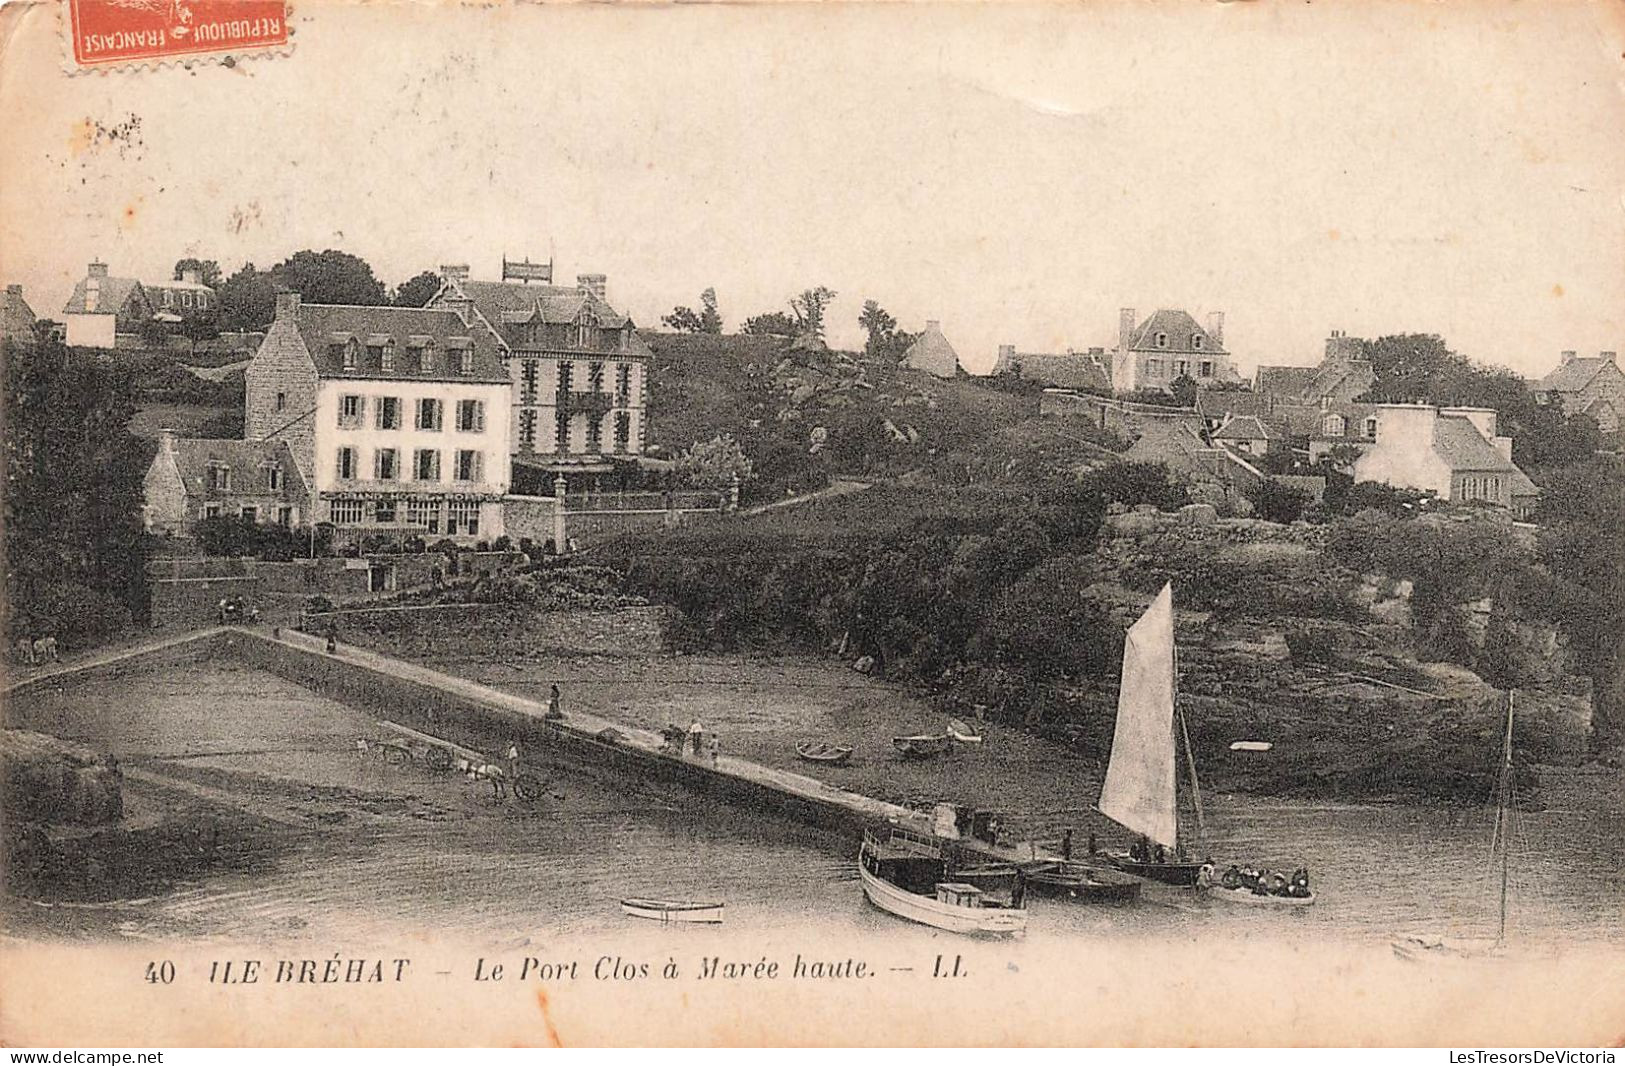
1081 882
708 912
962 733
1429 947
834 754
906 874
1262 899
1141 790
922 745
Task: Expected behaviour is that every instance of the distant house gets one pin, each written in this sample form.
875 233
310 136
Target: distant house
1593 387
932 353
106 312
1453 453
1086 371
177 301
1167 346
1178 444
192 479
1343 376
16 317
1246 434
1319 428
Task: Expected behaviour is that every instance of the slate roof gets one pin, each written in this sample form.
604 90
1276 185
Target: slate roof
1572 376
1182 332
1286 382
1245 427
1334 374
1459 443
506 304
327 328
245 457
115 292
932 353
1219 404
1061 370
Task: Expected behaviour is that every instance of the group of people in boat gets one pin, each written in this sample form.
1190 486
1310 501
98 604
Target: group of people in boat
1265 882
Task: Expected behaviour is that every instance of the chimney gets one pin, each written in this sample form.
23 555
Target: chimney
93 291
1215 327
1125 327
1006 351
932 323
287 304
596 285
98 269
1567 357
1609 357
191 277
166 441
14 290
454 271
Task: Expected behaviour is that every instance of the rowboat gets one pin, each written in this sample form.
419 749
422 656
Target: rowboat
962 733
922 746
1259 899
674 910
1081 882
906 875
834 754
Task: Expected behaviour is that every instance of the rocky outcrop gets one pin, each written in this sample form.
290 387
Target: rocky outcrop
52 782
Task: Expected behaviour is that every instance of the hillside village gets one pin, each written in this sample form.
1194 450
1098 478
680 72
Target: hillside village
515 414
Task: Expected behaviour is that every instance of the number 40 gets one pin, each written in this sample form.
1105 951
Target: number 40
160 973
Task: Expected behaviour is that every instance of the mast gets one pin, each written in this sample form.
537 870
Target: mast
1190 756
1503 819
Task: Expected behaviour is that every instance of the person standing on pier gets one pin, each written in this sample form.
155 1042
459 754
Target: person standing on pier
1066 846
555 708
716 750
696 737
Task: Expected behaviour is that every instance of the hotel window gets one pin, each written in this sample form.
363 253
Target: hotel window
623 384
346 464
429 415
350 408
388 415
470 416
566 378
424 513
595 377
352 353
1207 368
344 512
386 464
426 465
386 357
527 430
426 359
595 433
273 476
249 514
462 516
465 361
1162 340
1182 369
281 401
584 330
219 477
527 382
384 511
623 430
469 465
561 431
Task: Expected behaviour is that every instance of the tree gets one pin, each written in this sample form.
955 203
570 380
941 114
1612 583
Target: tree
417 291
772 324
75 549
1183 390
885 342
714 464
707 320
1276 501
809 310
248 299
208 270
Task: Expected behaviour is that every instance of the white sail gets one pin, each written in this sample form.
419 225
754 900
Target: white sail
1139 792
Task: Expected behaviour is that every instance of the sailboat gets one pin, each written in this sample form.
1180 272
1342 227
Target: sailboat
1141 790
1424 947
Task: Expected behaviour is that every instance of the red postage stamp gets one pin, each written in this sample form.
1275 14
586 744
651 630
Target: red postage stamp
109 32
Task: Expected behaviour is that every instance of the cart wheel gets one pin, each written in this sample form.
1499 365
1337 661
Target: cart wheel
439 758
528 787
396 755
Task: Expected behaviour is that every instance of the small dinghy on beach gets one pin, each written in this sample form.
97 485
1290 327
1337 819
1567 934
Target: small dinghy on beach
962 733
708 912
833 754
923 745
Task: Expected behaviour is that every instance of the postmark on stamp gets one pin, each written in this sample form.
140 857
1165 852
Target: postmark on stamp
106 33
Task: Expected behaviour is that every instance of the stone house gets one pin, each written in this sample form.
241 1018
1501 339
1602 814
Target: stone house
106 312
932 353
577 369
16 317
1342 376
1453 453
1593 387
396 416
1166 346
1086 371
177 301
192 479
1246 434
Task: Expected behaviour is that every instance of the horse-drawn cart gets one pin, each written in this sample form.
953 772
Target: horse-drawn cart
442 755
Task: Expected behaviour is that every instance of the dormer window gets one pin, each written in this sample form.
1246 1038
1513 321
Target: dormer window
1333 426
585 325
386 357
219 477
425 355
1196 341
352 353
465 361
1162 340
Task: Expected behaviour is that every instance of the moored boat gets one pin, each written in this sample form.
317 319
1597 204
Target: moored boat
708 912
1081 882
961 733
834 754
922 745
1260 899
906 875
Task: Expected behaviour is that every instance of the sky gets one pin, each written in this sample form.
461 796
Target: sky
1018 172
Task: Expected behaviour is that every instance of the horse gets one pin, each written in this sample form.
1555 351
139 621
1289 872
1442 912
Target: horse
487 771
